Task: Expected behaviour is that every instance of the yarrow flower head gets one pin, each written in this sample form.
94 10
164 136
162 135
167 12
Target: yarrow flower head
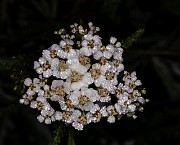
82 76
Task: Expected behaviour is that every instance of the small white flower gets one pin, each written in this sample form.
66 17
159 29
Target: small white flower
26 99
48 121
67 116
118 54
120 108
77 125
59 88
58 115
51 52
79 120
100 54
59 72
33 86
40 118
122 98
103 111
66 50
90 44
113 40
40 103
132 108
27 82
111 119
84 98
42 66
79 80
95 114
74 65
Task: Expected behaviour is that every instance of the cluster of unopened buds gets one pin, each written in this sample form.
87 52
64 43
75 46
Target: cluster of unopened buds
79 81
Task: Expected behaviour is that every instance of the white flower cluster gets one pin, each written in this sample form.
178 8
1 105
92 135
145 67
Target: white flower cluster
78 81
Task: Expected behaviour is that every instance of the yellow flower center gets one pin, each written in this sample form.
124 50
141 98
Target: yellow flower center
83 100
109 75
97 115
113 112
82 119
95 73
91 43
103 60
103 48
40 105
68 103
66 115
62 66
116 62
67 48
53 53
45 66
58 90
84 60
75 76
103 92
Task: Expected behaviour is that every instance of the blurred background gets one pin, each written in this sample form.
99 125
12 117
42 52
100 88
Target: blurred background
27 27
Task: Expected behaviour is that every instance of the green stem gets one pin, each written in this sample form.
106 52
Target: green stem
70 136
58 134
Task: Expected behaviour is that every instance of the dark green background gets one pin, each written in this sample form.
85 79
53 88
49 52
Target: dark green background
27 27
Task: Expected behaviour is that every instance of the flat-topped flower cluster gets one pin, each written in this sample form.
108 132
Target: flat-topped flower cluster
79 81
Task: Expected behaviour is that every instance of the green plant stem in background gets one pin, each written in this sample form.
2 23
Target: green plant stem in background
70 136
58 134
133 38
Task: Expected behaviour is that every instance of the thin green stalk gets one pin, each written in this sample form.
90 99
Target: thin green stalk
70 136
58 134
